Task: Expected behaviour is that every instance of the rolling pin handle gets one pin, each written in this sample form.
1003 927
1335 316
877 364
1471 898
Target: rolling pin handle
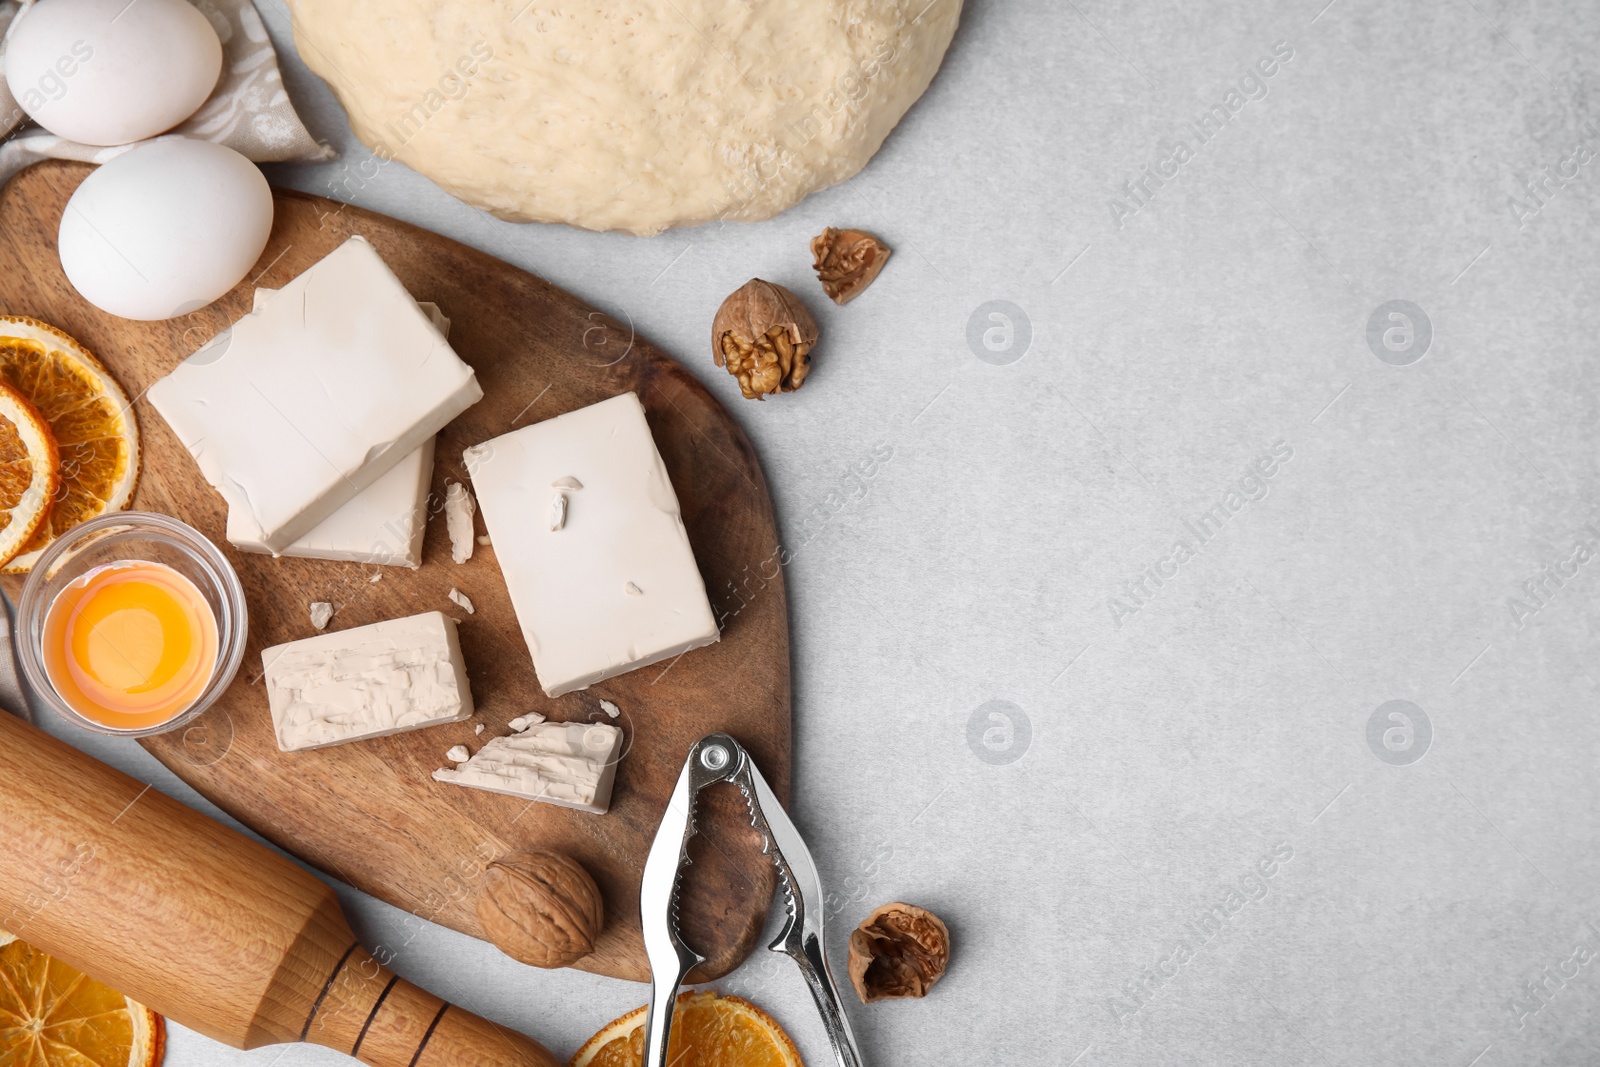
372 1014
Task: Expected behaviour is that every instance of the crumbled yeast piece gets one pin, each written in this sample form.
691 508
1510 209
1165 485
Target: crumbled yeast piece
461 600
458 754
572 764
321 612
459 507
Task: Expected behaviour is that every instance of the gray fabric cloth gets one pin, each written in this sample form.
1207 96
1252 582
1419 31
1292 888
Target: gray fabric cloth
11 115
249 111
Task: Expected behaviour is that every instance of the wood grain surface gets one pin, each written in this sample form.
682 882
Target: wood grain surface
369 813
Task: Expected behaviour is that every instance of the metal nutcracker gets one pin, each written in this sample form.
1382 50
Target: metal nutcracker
719 758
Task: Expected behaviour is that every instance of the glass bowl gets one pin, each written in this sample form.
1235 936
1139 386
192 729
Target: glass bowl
132 535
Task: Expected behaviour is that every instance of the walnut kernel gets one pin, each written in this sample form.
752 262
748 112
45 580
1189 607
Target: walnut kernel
900 950
540 908
764 336
846 262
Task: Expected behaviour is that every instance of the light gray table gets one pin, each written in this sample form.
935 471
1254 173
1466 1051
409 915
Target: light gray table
1160 797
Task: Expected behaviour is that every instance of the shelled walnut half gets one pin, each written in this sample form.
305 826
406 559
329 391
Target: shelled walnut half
900 950
846 262
764 336
540 907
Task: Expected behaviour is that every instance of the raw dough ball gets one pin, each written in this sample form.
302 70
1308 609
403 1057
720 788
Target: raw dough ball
632 115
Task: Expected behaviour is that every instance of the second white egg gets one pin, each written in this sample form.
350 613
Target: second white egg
165 228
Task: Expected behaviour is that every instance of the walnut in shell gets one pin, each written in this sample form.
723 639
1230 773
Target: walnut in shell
846 262
540 907
900 950
764 336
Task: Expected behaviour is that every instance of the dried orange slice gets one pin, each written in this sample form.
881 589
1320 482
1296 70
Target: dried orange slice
30 472
89 414
54 1016
708 1030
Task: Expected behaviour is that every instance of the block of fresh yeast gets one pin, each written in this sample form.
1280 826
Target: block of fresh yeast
587 531
370 681
314 396
384 523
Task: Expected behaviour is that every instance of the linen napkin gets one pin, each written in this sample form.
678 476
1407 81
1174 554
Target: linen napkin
249 111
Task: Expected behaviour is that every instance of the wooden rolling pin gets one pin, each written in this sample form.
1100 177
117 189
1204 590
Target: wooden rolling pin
204 925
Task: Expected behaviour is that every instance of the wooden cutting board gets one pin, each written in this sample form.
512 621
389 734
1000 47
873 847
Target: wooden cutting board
369 813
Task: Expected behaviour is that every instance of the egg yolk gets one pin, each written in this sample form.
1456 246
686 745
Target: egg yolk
130 645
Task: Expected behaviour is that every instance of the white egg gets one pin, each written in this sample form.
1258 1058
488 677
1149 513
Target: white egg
165 228
110 72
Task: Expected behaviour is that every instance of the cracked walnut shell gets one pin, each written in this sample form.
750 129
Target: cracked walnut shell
900 950
764 336
846 262
540 908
